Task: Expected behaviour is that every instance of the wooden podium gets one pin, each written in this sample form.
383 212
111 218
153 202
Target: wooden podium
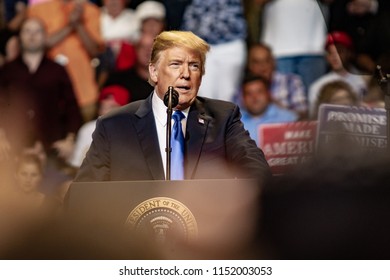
208 215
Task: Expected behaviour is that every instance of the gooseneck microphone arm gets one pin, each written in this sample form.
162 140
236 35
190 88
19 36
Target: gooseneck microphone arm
171 99
384 83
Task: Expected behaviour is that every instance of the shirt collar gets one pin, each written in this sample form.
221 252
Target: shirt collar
160 110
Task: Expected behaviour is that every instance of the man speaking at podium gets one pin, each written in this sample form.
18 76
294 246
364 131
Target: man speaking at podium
130 143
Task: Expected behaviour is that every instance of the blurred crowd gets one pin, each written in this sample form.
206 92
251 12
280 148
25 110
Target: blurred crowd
63 63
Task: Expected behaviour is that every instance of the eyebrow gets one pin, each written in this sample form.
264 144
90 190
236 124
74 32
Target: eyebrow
175 60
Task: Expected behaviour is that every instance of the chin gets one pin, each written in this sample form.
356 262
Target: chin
256 112
183 104
181 107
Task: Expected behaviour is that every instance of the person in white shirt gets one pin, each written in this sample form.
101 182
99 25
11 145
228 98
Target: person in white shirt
118 22
339 55
296 31
120 29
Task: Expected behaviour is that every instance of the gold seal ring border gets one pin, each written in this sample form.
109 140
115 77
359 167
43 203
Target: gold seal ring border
162 209
192 233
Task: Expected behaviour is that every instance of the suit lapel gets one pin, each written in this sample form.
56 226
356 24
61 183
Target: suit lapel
197 125
148 139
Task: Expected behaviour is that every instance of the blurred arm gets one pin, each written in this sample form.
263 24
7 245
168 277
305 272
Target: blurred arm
242 151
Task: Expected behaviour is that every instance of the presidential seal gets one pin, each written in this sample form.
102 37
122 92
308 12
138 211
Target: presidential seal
163 219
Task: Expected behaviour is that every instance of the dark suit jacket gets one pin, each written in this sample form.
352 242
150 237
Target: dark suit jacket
125 145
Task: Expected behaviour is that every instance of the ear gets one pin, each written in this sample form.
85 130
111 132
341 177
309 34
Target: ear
153 72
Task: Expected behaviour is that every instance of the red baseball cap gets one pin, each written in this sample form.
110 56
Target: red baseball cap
120 94
339 37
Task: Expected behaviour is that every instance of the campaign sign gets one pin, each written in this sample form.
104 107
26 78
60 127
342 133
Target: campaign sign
351 129
287 145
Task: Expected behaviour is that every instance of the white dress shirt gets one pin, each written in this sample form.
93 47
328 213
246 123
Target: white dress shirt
125 26
160 117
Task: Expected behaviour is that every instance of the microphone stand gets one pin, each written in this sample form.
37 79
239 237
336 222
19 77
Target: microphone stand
384 84
171 99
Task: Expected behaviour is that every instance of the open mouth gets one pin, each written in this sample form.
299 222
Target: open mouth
184 87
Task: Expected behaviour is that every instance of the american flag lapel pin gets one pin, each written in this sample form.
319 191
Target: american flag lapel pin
201 120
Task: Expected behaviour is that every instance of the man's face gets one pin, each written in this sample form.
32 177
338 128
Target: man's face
152 26
338 57
180 68
32 36
28 177
256 97
342 97
260 62
144 50
114 7
107 104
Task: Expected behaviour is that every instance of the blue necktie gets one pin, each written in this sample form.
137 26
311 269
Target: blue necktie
177 145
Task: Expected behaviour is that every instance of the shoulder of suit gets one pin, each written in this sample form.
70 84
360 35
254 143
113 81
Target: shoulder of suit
213 109
215 102
123 111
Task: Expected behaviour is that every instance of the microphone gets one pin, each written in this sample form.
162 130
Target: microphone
171 97
379 75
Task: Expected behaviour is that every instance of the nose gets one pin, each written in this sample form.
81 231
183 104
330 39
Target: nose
185 73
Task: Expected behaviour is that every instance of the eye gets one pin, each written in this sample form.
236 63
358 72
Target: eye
194 66
174 64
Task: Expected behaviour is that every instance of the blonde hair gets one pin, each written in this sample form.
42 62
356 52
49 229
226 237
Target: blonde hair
170 39
328 90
